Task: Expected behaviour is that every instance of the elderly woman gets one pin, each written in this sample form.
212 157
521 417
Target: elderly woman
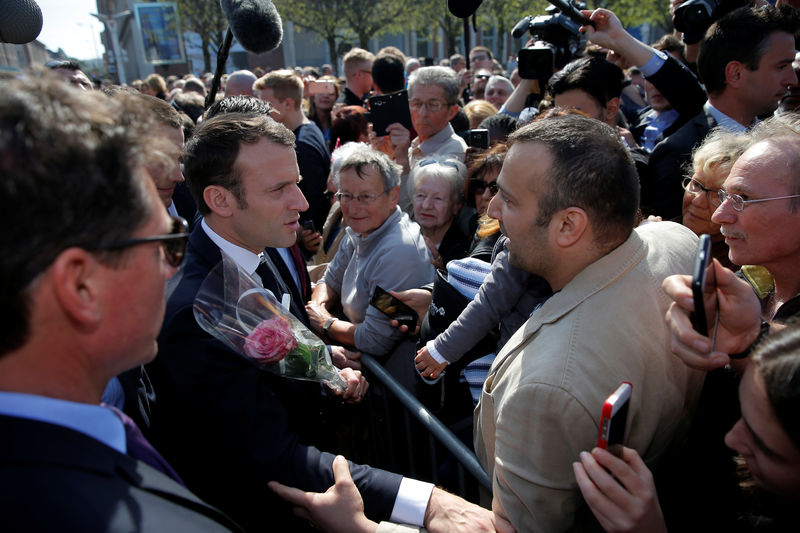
382 248
711 162
438 185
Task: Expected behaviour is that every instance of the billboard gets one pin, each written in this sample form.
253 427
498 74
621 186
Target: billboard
160 29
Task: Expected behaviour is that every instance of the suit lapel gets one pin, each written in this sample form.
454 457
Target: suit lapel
35 443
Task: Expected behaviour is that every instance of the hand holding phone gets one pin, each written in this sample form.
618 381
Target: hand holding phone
614 418
394 308
704 287
321 87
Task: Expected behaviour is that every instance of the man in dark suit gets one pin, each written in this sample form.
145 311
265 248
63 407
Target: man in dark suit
83 299
226 426
745 64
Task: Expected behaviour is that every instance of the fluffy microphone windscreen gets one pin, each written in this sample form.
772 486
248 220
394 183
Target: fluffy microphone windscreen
20 21
463 8
255 24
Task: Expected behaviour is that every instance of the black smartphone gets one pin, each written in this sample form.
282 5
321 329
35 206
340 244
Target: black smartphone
394 308
477 138
309 225
614 418
704 286
387 109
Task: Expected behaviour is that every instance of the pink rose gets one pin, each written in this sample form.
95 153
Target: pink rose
270 341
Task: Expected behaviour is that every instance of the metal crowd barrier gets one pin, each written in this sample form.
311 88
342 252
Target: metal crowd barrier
467 462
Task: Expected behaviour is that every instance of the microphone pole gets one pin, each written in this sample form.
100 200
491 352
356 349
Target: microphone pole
222 58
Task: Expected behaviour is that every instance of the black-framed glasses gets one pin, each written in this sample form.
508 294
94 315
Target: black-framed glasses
432 106
173 244
739 203
482 76
479 186
363 199
692 186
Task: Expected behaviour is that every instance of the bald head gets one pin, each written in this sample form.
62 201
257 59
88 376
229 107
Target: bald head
240 83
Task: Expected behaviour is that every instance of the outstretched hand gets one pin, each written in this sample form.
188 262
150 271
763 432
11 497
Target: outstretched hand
339 509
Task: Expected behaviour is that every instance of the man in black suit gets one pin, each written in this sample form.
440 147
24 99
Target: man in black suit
745 63
225 425
83 299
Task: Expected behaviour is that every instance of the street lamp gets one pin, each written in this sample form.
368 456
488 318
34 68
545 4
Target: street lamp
111 25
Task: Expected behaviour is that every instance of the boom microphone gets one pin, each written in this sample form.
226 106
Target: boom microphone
20 22
463 8
256 24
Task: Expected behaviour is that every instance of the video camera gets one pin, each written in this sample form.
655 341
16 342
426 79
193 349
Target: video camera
558 41
694 17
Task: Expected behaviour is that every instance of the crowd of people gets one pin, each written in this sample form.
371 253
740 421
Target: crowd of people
543 230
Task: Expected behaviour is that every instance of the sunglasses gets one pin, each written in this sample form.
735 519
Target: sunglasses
479 186
173 244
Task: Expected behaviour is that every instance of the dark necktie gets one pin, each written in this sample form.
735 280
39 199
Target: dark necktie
302 273
140 449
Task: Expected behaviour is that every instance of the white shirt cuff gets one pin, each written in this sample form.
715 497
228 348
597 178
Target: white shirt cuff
435 353
411 503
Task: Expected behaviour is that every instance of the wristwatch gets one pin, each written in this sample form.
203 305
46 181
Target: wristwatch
761 335
328 324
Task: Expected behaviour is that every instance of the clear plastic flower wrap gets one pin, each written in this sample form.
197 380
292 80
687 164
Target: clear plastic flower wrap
239 312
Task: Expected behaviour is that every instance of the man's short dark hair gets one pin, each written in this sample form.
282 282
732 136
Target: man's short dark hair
595 76
70 178
591 169
190 103
239 104
388 73
741 35
500 126
68 64
210 155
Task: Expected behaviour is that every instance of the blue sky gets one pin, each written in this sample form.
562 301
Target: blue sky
68 25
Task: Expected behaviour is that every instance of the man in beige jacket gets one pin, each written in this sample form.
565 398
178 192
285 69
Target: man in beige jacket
570 218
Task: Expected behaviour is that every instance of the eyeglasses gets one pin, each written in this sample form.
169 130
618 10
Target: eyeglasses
739 203
482 76
432 106
692 186
479 186
363 199
173 244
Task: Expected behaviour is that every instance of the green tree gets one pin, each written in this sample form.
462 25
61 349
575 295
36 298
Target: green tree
637 12
430 15
205 18
321 17
368 18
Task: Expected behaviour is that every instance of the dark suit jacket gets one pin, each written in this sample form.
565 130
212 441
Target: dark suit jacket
222 426
667 165
57 479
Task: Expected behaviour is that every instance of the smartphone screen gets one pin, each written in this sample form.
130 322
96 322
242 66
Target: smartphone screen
614 418
394 308
321 87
